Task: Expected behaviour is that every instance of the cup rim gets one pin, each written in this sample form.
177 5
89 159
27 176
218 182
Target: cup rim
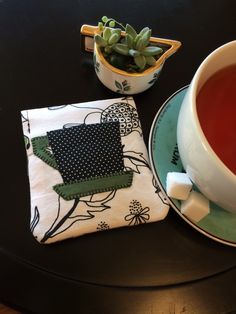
193 92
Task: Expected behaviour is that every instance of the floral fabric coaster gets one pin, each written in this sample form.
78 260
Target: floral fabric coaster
88 169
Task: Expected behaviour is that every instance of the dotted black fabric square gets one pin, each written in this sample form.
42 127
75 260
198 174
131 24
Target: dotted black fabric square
87 151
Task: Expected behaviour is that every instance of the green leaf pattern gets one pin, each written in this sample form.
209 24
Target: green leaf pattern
122 87
155 77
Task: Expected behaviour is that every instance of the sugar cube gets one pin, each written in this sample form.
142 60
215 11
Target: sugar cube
196 207
178 185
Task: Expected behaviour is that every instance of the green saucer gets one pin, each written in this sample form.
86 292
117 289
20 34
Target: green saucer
219 225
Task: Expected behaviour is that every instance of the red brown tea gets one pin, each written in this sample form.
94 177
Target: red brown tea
216 108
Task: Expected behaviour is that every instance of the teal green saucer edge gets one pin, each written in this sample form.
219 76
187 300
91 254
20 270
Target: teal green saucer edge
219 225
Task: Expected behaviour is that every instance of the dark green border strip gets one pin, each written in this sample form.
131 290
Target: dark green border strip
94 185
40 145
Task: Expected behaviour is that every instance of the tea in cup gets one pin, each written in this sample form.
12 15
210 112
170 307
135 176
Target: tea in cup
206 129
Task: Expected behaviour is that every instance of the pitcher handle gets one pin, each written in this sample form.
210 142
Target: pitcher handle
87 33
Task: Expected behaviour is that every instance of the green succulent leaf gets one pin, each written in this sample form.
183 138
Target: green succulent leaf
104 18
140 61
146 37
144 30
129 40
131 31
100 41
140 44
108 49
107 33
112 23
150 60
100 26
123 49
134 53
152 51
116 31
136 41
113 39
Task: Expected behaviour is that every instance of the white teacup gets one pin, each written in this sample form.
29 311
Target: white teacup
209 173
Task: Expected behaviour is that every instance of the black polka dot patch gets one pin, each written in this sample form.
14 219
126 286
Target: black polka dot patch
87 151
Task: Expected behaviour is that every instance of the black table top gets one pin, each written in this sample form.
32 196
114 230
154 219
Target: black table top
163 267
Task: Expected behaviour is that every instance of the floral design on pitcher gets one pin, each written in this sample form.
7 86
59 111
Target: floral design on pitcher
122 87
155 77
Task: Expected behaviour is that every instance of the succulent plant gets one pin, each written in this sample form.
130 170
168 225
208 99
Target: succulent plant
129 51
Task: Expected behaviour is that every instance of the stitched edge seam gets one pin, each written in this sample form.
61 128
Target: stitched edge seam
108 175
128 178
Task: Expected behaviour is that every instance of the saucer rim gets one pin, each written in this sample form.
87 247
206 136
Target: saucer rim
171 203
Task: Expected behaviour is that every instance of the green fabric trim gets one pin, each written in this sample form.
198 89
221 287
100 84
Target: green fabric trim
40 146
94 185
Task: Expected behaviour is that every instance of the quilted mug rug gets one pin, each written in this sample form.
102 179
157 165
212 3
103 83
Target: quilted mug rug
88 169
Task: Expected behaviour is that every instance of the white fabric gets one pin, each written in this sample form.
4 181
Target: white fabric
141 203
